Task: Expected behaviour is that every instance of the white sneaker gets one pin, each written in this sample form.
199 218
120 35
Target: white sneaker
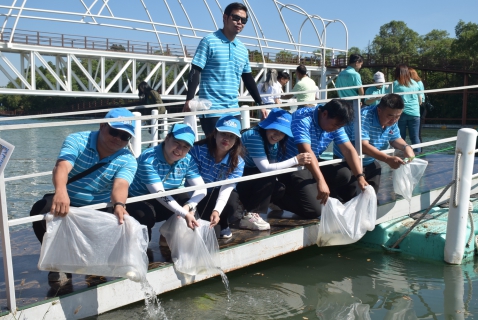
253 221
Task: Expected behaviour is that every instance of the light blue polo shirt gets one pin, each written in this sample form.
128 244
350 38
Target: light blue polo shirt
223 62
348 78
79 149
373 132
409 100
211 171
372 91
252 141
153 168
421 87
306 129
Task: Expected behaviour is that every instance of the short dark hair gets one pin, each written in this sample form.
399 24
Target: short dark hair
301 69
339 109
355 58
235 6
392 101
283 75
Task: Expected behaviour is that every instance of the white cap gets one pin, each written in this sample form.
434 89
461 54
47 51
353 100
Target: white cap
378 77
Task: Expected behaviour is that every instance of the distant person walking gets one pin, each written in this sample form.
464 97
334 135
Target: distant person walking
148 95
220 61
350 77
410 117
423 109
305 83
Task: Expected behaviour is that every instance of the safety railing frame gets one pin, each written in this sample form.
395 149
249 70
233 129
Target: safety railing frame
5 223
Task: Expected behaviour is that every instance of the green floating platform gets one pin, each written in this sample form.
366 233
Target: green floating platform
427 239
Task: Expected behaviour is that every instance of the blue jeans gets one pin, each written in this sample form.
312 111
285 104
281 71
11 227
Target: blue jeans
413 124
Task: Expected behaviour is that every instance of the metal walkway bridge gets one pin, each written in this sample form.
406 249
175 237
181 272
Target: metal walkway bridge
94 64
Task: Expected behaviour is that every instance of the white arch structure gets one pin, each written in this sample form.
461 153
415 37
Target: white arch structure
157 51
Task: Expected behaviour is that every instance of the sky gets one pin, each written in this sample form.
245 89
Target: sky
362 18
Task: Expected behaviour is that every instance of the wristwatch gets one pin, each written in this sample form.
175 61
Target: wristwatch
119 204
360 175
191 207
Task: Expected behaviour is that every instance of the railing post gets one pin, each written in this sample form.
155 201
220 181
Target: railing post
245 118
165 130
154 130
136 141
456 230
192 122
7 249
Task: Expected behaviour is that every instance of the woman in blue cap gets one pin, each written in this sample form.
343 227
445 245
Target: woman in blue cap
164 167
265 151
219 157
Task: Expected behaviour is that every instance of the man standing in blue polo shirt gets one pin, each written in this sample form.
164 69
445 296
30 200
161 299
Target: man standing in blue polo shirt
313 130
221 61
379 130
350 78
93 167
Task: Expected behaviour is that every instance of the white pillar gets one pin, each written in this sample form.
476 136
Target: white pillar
154 130
136 140
192 122
165 127
458 215
245 118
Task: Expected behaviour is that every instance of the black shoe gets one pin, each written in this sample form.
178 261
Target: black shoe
60 278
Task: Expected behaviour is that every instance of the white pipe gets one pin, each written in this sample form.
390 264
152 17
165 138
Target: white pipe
136 140
192 122
245 118
165 130
456 231
154 128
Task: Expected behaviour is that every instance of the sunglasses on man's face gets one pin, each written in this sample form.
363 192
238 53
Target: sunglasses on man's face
122 135
236 18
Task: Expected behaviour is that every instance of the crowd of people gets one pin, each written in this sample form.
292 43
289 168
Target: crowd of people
95 167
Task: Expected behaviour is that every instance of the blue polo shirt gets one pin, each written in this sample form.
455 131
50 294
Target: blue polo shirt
409 100
79 149
373 132
223 62
372 91
252 141
306 129
348 78
153 168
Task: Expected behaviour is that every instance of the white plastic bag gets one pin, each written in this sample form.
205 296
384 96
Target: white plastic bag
199 104
407 176
92 242
347 223
195 251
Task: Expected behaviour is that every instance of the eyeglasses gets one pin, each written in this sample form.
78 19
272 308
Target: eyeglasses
236 18
124 136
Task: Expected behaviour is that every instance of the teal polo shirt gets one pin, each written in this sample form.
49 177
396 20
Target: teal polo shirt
348 78
412 107
372 91
79 149
223 62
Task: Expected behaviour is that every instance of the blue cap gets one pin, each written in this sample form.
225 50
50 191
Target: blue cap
127 125
229 124
278 119
183 132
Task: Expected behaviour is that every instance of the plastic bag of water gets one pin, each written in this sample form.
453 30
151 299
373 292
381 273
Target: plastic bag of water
407 176
92 242
347 223
192 251
199 104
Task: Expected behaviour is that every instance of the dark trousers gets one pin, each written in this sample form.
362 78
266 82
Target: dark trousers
141 211
209 124
300 195
373 173
206 206
256 194
161 212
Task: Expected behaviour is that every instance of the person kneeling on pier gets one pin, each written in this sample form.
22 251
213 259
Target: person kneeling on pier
219 157
379 130
93 167
265 151
313 130
164 168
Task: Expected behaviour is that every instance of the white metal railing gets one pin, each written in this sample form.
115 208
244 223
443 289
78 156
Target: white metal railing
5 223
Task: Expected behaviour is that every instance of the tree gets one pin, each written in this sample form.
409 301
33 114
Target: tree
395 38
436 43
466 42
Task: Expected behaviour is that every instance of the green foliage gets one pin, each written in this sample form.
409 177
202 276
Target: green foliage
395 38
436 43
466 43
